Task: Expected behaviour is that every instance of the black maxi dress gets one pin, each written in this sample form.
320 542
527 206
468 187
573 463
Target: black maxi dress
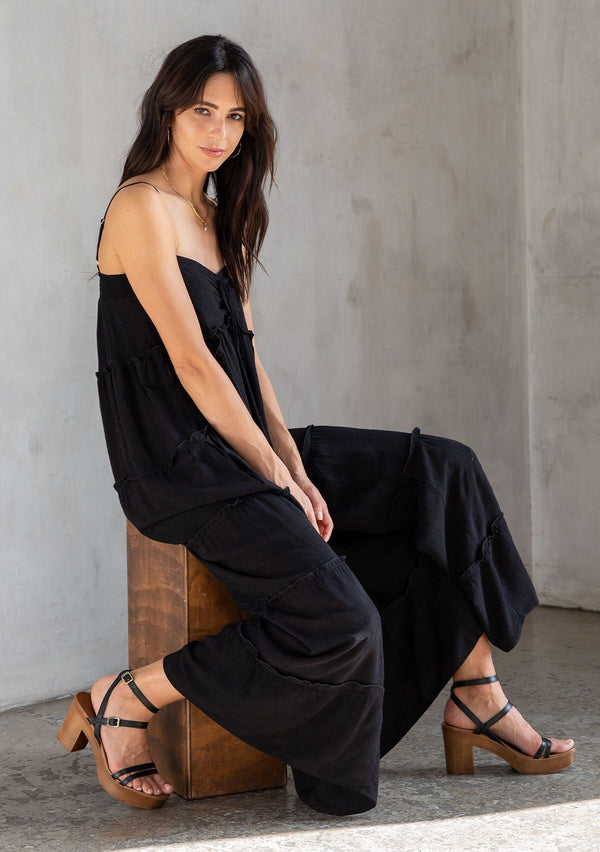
348 641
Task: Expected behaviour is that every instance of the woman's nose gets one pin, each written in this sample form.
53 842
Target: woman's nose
217 129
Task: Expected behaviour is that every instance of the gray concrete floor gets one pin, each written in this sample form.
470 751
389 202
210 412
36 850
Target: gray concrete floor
52 801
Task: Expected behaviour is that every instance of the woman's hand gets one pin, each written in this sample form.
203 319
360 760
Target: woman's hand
314 505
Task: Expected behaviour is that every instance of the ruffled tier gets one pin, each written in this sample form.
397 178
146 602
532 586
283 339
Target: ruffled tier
318 710
457 523
422 530
397 495
165 456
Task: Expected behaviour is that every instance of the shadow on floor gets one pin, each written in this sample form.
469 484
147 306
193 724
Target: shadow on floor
52 801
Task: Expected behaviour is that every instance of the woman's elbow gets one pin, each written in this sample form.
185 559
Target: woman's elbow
193 367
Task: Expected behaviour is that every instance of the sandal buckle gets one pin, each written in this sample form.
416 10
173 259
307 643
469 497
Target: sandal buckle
113 722
127 677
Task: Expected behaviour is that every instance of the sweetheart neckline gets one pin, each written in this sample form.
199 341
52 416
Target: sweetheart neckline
197 262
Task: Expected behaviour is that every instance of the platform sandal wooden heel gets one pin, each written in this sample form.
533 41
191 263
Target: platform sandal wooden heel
82 725
460 742
458 751
70 735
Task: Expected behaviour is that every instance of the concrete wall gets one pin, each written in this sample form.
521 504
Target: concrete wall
562 128
396 294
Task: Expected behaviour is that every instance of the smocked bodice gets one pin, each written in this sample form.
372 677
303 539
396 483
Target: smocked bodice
125 332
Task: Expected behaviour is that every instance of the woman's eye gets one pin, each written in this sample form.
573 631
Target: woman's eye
236 116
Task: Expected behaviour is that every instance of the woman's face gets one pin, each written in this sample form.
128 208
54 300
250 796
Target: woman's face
207 133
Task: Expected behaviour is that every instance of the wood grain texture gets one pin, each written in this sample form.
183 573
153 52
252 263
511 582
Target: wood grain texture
174 599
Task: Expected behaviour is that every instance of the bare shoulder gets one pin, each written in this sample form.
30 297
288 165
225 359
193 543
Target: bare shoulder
137 196
136 215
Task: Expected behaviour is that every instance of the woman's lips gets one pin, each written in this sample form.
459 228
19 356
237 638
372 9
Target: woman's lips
212 152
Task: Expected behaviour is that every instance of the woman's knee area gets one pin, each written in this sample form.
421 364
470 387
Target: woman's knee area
371 620
348 615
363 619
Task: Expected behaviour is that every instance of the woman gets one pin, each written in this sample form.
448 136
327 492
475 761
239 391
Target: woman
419 574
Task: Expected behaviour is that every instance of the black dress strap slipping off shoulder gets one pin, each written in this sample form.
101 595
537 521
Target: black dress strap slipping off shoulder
348 641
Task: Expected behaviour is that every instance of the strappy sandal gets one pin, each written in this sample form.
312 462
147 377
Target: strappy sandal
82 725
460 742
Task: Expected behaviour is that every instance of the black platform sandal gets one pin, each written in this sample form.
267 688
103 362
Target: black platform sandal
81 726
460 742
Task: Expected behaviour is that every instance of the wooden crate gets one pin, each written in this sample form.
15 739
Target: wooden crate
174 599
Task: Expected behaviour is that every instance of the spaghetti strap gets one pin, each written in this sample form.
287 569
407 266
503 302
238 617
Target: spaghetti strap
133 183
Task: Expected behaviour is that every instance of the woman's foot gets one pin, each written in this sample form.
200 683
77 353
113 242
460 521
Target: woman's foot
125 746
485 700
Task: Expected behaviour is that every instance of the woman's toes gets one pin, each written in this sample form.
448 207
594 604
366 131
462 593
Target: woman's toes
162 785
159 784
153 785
144 786
562 745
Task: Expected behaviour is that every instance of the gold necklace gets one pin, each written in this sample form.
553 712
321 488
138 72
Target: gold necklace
191 203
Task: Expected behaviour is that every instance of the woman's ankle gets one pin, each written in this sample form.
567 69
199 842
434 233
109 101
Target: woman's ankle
479 662
155 685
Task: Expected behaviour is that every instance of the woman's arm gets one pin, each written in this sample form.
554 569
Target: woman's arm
143 236
283 443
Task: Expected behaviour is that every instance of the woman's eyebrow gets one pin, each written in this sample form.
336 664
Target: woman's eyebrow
214 106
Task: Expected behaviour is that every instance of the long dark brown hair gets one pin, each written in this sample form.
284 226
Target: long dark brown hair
242 216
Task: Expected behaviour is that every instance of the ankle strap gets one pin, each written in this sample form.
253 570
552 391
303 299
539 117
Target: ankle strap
113 721
127 678
475 682
482 727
